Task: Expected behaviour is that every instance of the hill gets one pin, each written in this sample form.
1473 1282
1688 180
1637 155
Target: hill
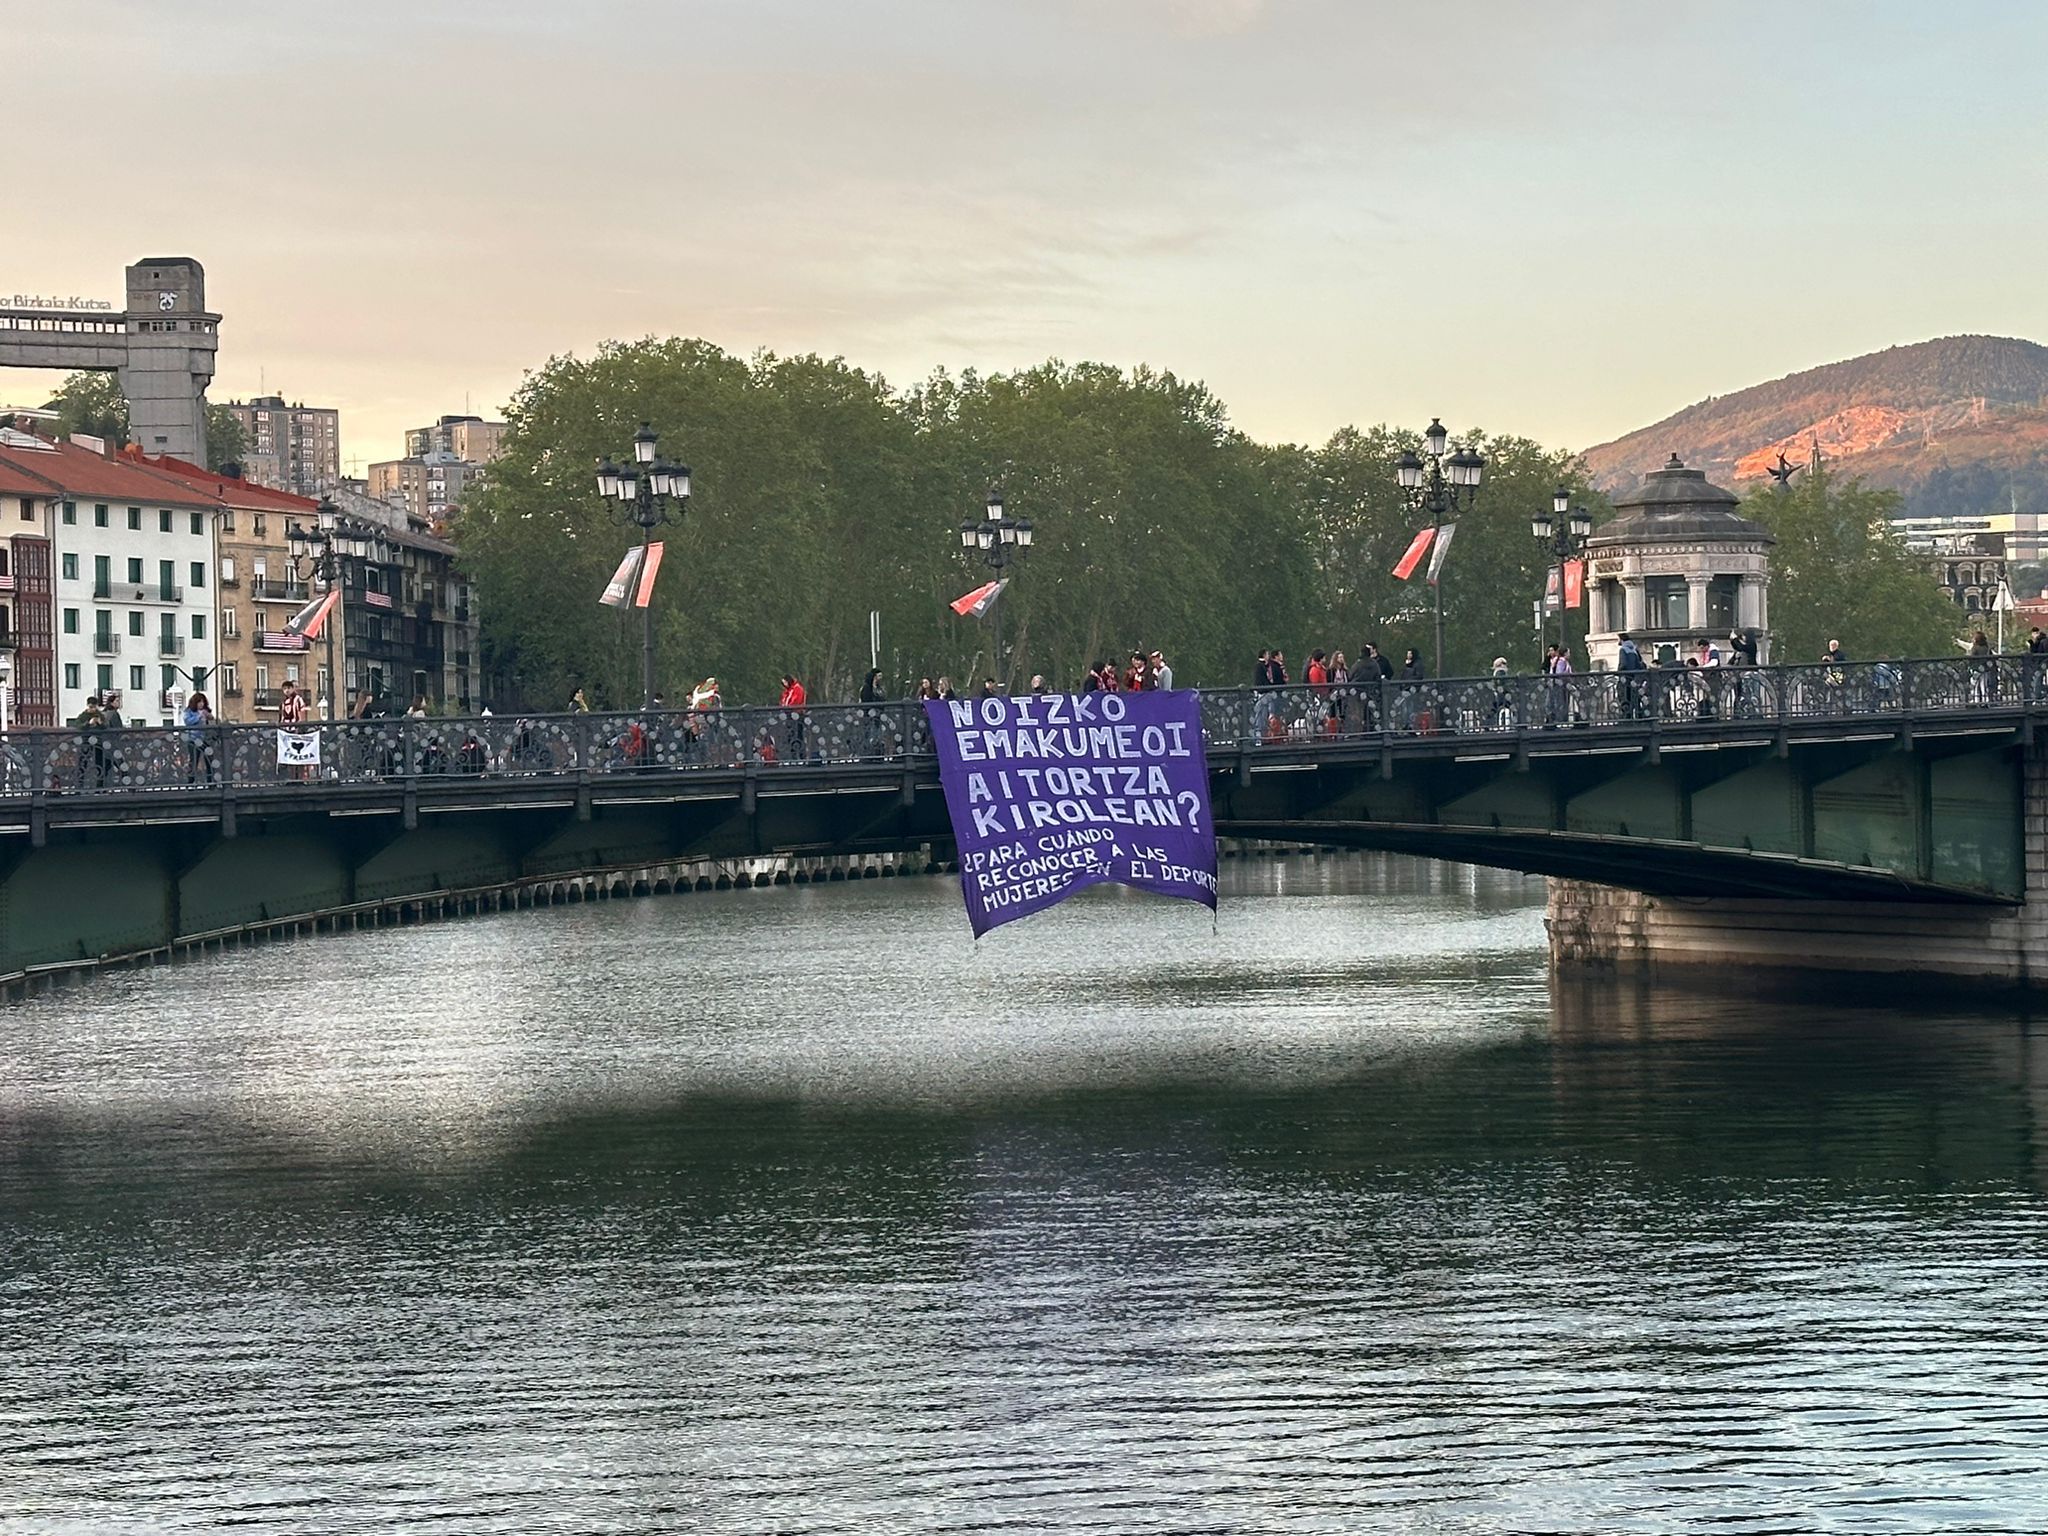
1958 424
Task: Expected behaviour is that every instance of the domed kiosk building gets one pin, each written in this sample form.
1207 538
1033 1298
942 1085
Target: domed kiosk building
1675 564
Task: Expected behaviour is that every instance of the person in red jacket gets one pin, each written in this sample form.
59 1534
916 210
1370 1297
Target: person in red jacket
793 698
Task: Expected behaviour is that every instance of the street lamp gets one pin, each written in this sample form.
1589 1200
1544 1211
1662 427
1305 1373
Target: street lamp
321 548
646 493
1000 541
1565 528
1444 486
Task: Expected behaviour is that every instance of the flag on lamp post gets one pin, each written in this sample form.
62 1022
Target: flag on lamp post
1417 547
1443 547
980 600
630 581
309 619
1574 583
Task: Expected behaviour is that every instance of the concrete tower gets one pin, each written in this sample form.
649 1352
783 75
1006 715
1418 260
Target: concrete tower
171 342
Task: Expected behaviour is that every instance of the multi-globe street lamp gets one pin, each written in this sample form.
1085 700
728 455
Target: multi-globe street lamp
647 493
1444 485
1001 542
1565 528
320 549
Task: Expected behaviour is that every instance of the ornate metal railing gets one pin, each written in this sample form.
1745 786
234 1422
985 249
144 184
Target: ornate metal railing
77 760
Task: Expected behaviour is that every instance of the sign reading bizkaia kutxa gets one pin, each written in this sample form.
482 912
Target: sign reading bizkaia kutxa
1052 792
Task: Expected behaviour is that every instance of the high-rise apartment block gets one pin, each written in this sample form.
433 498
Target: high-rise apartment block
294 448
440 463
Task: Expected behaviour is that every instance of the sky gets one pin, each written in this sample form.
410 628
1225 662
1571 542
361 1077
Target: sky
1559 218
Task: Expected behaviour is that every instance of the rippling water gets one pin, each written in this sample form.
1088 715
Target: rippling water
792 1210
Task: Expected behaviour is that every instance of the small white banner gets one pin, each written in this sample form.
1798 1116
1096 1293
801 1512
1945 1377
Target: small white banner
298 749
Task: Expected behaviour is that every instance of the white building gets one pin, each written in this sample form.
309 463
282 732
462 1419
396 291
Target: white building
134 565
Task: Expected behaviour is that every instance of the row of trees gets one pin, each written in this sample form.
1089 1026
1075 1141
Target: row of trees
822 494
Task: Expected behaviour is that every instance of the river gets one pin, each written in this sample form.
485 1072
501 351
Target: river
794 1210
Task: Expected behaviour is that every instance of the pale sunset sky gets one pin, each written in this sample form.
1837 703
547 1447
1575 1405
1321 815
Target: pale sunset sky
1564 219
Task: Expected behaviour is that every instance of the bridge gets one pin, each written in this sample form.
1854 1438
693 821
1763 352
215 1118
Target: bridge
1878 802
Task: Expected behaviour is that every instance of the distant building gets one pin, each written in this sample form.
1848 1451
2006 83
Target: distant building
2020 534
1970 567
294 448
441 462
469 438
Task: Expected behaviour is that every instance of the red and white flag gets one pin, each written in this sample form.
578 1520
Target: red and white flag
1416 550
979 601
630 582
1443 547
1574 583
308 620
646 593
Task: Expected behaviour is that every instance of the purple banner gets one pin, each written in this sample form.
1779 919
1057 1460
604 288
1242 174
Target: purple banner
1052 792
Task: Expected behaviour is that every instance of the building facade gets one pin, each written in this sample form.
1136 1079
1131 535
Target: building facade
132 587
1675 564
258 591
409 613
469 438
290 447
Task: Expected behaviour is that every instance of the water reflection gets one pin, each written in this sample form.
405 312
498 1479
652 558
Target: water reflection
796 1210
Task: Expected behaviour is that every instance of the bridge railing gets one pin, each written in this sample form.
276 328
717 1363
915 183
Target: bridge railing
74 760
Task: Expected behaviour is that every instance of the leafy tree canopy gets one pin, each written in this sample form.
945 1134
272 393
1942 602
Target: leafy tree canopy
92 403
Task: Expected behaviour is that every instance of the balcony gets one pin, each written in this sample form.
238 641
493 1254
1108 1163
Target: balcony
105 643
280 640
269 698
170 645
140 592
263 589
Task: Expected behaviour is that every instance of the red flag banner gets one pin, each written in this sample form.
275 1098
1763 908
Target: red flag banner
1416 550
1550 588
977 602
646 593
1574 583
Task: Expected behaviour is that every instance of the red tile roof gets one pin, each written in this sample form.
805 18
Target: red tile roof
243 495
82 475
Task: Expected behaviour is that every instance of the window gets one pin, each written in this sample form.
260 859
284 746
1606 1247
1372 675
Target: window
135 621
262 677
198 573
28 509
70 511
70 621
198 626
138 678
228 676
99 515
1666 603
291 671
135 517
170 676
227 521
230 626
105 677
227 570
71 675
71 567
259 525
102 575
134 570
163 520
167 579
199 522
1722 593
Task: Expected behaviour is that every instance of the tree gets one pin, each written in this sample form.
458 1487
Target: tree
1840 572
226 442
91 403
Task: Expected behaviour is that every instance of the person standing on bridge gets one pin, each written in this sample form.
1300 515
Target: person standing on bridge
198 720
793 700
291 716
1162 674
578 704
1628 662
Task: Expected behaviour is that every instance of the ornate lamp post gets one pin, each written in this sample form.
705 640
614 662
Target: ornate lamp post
321 548
1444 486
1001 541
1565 528
647 493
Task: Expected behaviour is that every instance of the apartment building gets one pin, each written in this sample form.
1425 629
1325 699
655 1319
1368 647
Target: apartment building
257 592
409 612
468 438
28 614
293 447
132 595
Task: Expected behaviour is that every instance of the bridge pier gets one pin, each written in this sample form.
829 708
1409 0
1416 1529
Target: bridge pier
1979 945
